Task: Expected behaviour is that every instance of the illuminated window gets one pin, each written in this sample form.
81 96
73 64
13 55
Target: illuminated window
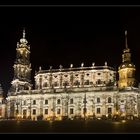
58 111
98 110
34 102
46 102
71 101
46 111
58 101
109 110
34 111
71 111
98 100
109 100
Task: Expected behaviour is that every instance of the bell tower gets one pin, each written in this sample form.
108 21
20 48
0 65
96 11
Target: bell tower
22 66
127 69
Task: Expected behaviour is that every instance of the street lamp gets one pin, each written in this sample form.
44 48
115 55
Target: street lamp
85 110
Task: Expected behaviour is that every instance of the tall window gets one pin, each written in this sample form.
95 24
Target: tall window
46 102
109 110
34 111
55 84
109 100
71 110
71 101
24 102
84 110
58 101
46 111
34 102
98 100
58 111
98 110
24 112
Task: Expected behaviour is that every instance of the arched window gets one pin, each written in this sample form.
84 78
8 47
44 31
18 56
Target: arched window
109 100
99 82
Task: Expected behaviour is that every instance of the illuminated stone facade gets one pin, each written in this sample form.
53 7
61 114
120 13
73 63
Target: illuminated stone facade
83 92
2 104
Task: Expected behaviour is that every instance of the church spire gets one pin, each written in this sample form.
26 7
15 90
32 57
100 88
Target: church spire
126 45
24 33
126 52
127 68
23 40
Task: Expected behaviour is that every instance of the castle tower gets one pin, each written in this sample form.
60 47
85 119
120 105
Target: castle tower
127 69
22 66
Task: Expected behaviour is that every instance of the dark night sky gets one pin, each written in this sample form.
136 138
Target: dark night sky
64 35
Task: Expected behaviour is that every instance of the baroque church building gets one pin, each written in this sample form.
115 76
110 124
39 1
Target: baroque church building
82 92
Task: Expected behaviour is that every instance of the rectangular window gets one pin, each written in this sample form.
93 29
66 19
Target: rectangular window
34 111
98 100
109 110
46 102
58 111
46 111
71 101
24 103
71 110
98 110
34 102
84 110
17 111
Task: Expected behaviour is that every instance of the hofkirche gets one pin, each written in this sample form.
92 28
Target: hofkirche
83 92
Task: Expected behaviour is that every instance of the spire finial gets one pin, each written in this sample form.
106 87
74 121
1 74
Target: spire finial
126 45
24 33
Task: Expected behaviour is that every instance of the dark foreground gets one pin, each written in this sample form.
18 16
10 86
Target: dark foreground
97 126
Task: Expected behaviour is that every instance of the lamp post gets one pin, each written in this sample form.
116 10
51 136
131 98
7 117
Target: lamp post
17 110
85 110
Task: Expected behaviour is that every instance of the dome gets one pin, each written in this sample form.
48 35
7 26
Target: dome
23 41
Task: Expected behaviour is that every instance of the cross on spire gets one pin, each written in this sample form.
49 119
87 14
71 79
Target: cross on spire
126 45
24 33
